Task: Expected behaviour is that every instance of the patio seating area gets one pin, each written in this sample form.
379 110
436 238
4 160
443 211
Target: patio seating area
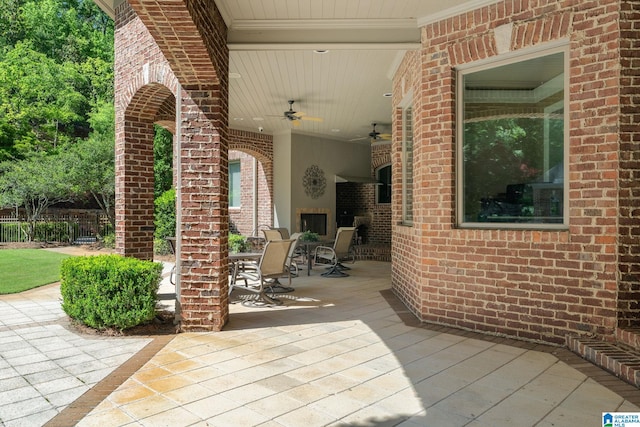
335 352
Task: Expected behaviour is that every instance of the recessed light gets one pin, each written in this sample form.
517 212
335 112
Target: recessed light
321 51
387 94
335 130
258 119
235 76
238 119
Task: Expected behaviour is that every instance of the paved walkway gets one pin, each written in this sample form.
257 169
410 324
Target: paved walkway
339 352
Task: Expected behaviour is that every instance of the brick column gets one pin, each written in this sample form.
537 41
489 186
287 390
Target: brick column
204 226
134 189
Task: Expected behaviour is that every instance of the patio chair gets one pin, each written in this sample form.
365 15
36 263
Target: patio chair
295 255
284 232
341 251
272 234
275 287
272 265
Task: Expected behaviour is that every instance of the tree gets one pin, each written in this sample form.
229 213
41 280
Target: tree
38 98
92 162
162 161
7 137
34 183
11 28
56 66
68 30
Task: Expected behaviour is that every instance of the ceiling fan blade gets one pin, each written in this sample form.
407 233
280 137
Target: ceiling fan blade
311 119
384 136
362 138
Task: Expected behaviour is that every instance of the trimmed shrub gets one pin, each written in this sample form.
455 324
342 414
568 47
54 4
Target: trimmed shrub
109 291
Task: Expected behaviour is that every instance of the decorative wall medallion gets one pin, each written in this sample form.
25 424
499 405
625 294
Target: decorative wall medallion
314 182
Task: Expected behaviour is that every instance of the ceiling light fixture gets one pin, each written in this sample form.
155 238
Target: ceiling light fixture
234 75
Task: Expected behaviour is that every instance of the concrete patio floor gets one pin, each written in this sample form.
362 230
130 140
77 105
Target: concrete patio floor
339 352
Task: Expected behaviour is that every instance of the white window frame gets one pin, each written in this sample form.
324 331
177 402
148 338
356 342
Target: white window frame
494 62
407 189
239 163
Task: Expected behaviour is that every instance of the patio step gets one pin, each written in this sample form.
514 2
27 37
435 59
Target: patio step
619 358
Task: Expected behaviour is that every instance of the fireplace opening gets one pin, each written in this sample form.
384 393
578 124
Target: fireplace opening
314 222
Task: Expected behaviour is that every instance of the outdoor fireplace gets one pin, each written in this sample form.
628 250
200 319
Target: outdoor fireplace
316 220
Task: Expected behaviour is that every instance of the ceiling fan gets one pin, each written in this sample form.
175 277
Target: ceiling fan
375 135
295 116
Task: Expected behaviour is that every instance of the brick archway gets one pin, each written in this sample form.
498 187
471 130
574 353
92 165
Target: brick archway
134 163
256 200
155 68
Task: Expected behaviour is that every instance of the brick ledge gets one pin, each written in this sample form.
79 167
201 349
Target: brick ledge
621 361
373 252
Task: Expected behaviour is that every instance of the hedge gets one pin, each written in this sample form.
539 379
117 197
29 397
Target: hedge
109 291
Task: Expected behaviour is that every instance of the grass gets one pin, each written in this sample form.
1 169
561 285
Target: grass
23 269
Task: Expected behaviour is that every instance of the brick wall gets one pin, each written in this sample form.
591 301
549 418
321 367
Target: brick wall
380 232
629 191
531 284
405 253
360 199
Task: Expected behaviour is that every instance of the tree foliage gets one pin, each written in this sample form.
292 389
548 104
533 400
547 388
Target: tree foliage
39 99
505 151
162 161
93 173
56 107
34 184
56 104
56 68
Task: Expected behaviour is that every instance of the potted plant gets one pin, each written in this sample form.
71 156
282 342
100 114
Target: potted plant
308 236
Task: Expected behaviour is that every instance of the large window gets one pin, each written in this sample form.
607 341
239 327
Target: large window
511 142
383 191
407 159
234 184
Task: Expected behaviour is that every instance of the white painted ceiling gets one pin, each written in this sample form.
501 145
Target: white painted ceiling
272 59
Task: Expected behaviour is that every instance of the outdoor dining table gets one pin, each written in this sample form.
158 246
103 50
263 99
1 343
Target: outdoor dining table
236 260
308 248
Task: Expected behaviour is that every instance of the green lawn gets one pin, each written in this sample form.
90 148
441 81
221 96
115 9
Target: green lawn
22 269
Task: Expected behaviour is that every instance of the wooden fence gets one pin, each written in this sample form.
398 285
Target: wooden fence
56 228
